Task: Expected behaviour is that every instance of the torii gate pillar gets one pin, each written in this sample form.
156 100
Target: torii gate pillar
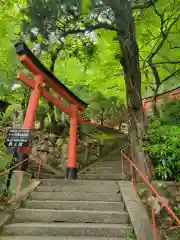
33 103
72 170
31 116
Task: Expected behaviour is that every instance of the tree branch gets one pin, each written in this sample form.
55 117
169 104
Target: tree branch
90 28
156 74
107 26
164 62
145 5
135 6
164 34
169 62
171 75
54 56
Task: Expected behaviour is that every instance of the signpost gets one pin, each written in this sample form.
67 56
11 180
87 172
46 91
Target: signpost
18 138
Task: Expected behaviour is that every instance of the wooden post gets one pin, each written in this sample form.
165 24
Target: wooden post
30 117
33 104
71 169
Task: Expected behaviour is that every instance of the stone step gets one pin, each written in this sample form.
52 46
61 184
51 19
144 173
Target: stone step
76 205
68 229
91 188
70 216
115 166
74 183
104 171
76 196
107 169
50 176
36 168
101 173
101 176
110 164
59 238
101 168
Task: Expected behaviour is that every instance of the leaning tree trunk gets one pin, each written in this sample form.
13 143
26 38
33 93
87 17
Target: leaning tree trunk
130 63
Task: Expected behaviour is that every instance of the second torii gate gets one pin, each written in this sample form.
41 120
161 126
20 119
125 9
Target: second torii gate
39 83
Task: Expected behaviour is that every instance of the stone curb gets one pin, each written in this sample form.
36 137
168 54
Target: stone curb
139 218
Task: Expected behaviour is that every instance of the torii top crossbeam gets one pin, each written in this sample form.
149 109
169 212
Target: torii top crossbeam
28 59
43 76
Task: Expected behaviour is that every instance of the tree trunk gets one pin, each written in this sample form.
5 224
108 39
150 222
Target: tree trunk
23 107
102 116
154 105
41 120
130 63
158 84
25 102
54 57
63 117
53 123
86 155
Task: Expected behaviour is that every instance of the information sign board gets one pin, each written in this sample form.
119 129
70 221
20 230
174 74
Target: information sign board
18 138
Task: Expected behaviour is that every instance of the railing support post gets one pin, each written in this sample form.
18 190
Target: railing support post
30 117
71 169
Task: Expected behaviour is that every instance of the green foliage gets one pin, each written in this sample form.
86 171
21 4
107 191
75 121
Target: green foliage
176 210
5 160
85 4
171 112
109 108
157 35
163 145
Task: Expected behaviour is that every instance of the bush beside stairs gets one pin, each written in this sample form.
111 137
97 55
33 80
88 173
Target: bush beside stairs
91 208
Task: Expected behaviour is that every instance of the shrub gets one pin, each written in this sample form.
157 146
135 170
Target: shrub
5 161
170 112
162 142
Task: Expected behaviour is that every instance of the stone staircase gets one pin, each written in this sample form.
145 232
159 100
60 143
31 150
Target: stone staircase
65 209
74 209
104 170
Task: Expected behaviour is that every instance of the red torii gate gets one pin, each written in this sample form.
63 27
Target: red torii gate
42 79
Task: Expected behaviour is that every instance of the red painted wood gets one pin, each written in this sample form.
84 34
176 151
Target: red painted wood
27 80
32 107
72 139
150 186
170 95
44 93
33 103
25 60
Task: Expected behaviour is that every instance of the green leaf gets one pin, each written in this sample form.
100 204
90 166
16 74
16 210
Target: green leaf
85 4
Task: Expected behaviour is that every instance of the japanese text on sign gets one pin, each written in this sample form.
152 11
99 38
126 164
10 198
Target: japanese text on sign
18 138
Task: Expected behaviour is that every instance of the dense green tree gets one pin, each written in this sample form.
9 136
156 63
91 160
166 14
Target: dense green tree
158 31
162 142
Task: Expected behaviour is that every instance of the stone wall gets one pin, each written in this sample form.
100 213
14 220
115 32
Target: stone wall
170 194
52 149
